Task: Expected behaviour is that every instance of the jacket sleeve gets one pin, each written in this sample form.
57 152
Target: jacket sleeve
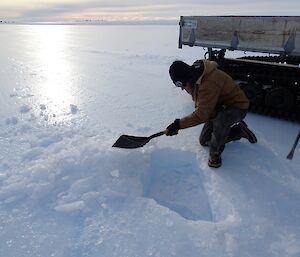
207 98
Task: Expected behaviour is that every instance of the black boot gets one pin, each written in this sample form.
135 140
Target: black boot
247 133
235 133
214 160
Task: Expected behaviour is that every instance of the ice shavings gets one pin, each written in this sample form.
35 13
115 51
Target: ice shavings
70 207
32 154
115 173
24 109
12 121
21 93
72 177
73 108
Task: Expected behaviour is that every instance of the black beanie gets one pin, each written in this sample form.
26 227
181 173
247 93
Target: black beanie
180 71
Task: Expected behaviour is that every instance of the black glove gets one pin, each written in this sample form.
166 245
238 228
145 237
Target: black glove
173 128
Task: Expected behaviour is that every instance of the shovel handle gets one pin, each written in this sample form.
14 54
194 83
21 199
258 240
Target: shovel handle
291 153
158 134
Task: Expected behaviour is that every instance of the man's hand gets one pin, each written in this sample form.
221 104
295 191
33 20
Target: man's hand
173 128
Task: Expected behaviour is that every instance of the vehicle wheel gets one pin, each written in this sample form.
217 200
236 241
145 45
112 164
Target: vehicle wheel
280 98
253 92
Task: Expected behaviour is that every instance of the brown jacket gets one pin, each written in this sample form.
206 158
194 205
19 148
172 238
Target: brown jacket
213 91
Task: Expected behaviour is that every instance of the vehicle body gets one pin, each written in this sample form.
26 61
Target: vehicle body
271 81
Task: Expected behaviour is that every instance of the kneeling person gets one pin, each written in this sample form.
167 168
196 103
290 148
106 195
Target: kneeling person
219 103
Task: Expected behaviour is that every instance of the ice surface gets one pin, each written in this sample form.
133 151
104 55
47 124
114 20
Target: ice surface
74 108
68 92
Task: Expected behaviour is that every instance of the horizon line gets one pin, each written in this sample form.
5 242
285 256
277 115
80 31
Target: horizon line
94 22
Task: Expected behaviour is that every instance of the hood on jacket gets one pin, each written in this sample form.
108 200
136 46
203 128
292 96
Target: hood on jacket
209 66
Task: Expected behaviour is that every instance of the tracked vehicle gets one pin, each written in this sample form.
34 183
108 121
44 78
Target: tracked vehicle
270 78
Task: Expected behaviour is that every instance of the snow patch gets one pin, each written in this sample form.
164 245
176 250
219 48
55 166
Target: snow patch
70 207
144 129
12 121
24 109
32 154
21 93
74 108
115 173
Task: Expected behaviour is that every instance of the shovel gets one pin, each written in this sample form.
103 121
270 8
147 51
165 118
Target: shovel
130 142
291 153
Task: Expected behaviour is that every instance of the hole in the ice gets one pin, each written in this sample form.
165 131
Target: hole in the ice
173 181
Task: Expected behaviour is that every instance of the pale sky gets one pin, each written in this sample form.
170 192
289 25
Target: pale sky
138 10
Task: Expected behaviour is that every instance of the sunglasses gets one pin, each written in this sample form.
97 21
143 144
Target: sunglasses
179 84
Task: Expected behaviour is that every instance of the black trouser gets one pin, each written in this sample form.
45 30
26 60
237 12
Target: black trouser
222 129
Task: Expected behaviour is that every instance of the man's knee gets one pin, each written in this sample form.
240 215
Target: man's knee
228 117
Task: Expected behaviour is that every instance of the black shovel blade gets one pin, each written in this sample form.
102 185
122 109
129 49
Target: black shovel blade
130 142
